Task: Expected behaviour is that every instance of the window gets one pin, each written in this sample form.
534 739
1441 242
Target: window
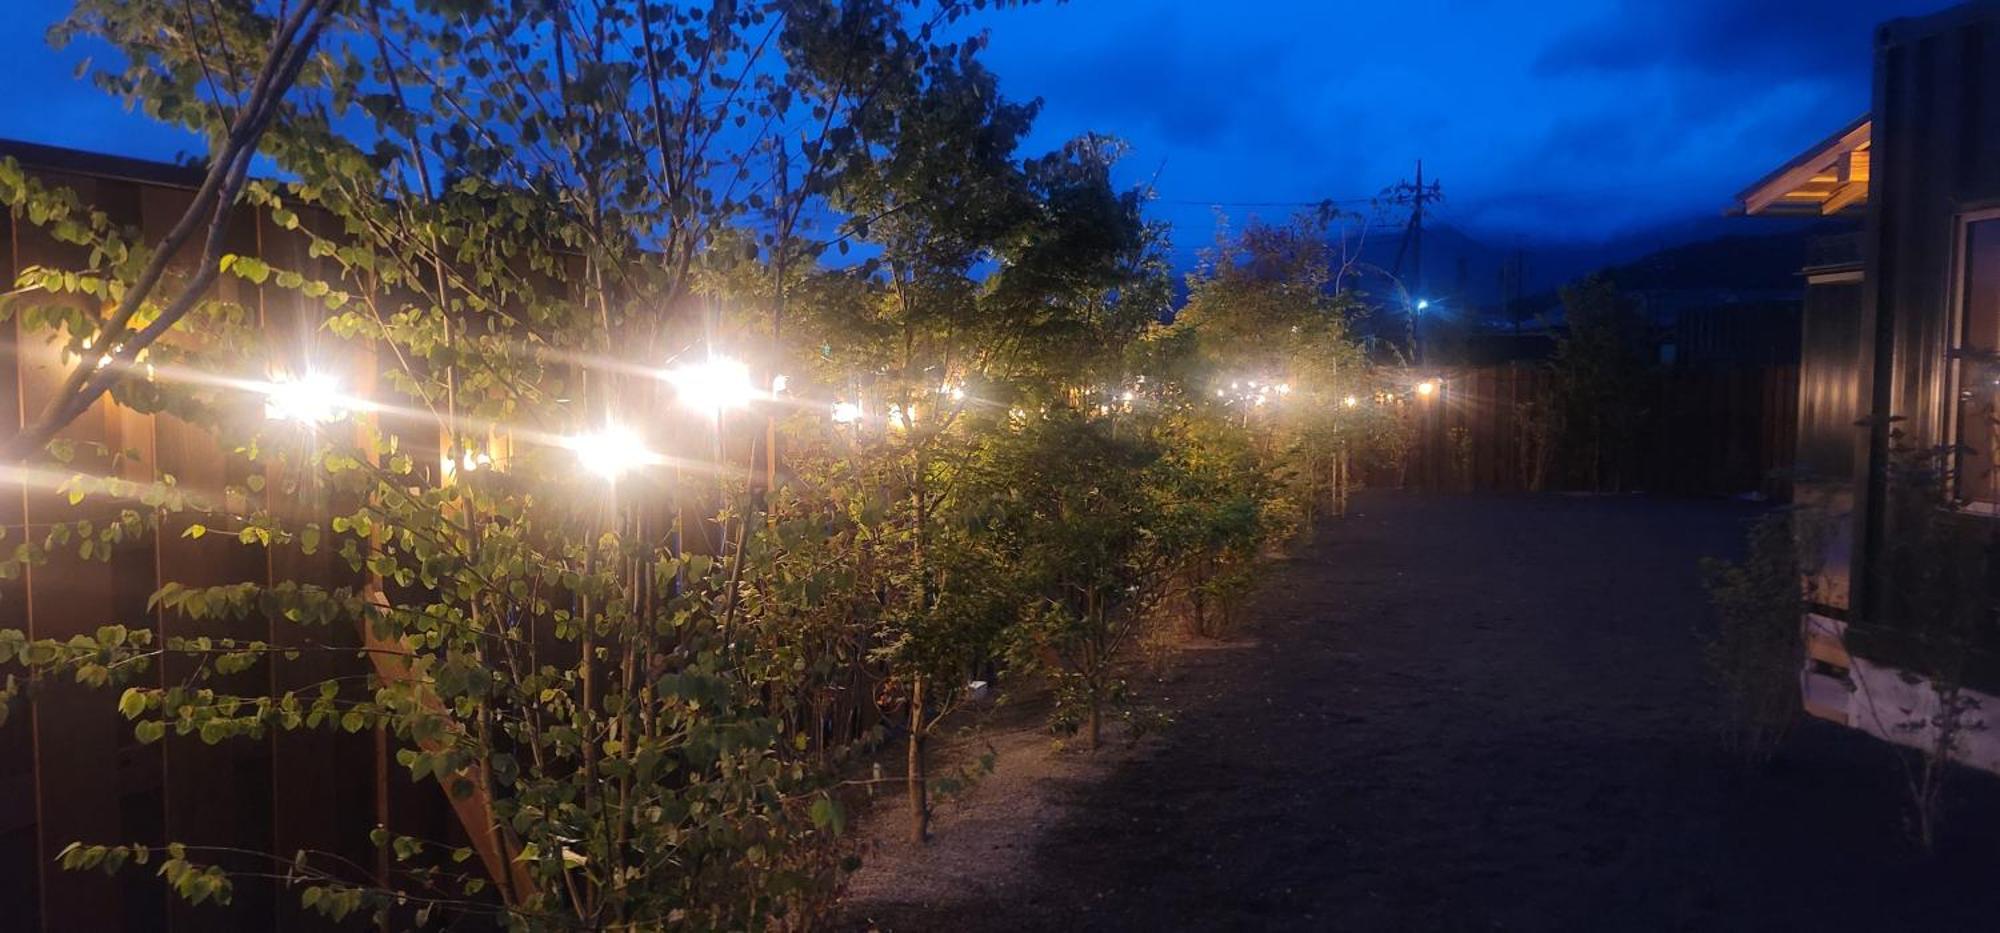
1978 413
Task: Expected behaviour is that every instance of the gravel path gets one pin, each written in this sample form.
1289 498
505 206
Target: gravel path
1463 714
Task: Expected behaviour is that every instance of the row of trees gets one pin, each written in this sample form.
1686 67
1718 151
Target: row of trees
636 605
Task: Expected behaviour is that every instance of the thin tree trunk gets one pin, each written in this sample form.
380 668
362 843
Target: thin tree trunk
920 807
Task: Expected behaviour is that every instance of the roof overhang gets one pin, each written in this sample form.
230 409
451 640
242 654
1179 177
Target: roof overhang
1828 178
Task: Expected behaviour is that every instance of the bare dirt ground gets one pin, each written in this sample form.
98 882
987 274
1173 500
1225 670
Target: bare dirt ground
1457 714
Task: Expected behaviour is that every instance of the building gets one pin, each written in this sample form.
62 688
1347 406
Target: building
1902 319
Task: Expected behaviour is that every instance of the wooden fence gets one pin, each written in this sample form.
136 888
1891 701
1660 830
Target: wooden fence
70 769
1707 431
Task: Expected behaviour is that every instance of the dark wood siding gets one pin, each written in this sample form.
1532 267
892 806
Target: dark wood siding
70 769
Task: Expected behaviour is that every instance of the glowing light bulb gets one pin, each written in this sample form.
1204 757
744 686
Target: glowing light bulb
610 452
1350 401
1427 388
846 412
713 385
313 398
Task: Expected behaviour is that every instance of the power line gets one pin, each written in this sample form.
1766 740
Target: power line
1202 202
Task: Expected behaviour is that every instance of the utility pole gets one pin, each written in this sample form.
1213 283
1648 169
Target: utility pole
1415 194
1520 295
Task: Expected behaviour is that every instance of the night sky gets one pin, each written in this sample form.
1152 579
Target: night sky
1564 120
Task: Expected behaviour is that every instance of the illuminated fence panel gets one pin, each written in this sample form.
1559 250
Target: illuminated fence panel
70 769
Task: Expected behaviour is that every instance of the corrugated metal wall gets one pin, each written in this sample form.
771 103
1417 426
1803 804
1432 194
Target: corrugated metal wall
1936 156
1831 441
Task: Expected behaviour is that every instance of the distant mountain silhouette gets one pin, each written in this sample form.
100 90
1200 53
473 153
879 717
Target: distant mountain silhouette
1473 275
1463 268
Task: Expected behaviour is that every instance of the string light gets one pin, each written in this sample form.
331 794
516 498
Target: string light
713 385
313 398
610 452
468 463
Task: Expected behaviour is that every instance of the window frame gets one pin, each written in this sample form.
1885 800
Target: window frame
1958 294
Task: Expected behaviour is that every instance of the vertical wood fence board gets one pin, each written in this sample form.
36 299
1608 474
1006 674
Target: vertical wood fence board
1717 430
76 733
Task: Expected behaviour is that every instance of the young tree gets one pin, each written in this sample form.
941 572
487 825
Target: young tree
506 211
1601 372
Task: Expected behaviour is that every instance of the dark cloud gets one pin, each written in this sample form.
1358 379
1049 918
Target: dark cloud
1782 39
1157 71
1583 118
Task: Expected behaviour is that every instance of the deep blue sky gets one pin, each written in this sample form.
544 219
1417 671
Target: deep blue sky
1554 120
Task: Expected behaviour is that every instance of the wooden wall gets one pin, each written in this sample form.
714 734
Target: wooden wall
69 767
1710 430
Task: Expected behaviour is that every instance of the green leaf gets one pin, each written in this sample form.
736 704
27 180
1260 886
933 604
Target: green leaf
828 814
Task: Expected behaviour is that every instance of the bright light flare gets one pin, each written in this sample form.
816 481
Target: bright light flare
1427 388
610 452
846 412
1351 402
313 398
714 385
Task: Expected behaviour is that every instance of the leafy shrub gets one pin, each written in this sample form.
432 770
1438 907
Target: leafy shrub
1754 657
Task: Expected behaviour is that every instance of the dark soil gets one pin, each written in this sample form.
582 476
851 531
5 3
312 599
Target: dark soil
1485 714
